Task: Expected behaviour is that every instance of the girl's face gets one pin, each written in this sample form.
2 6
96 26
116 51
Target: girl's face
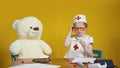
79 28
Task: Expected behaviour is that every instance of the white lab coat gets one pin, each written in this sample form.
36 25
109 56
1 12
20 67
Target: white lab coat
76 49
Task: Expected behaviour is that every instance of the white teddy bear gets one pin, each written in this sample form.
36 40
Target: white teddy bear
29 30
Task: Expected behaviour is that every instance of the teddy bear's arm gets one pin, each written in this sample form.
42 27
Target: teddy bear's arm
45 47
15 48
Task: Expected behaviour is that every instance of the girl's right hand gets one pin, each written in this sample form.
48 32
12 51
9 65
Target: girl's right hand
71 28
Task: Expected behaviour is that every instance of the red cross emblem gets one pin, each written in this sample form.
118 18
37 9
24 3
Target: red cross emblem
78 18
75 47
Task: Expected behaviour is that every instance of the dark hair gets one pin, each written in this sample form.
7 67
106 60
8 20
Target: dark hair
86 25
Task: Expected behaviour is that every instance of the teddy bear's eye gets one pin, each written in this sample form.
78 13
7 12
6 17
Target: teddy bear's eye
30 27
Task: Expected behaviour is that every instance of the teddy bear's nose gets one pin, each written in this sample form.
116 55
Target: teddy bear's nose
36 28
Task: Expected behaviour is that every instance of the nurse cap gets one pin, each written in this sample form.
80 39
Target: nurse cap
80 18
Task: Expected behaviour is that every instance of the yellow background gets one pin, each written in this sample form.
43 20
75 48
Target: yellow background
57 15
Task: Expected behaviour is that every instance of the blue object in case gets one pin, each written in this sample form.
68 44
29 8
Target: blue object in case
80 64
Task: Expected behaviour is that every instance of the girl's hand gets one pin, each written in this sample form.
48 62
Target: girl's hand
82 43
71 28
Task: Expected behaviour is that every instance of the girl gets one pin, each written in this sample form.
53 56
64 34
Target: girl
80 44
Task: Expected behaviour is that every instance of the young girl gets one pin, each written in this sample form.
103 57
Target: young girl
80 44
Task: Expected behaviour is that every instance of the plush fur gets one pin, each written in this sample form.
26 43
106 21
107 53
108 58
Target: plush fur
29 44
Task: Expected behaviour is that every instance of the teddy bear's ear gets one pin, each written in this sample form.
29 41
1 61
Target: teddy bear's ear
15 24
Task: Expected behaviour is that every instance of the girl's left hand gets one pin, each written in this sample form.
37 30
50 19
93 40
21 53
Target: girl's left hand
82 43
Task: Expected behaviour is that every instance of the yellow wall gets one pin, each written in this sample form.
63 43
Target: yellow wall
56 16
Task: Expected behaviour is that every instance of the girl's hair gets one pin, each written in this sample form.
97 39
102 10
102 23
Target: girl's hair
85 24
